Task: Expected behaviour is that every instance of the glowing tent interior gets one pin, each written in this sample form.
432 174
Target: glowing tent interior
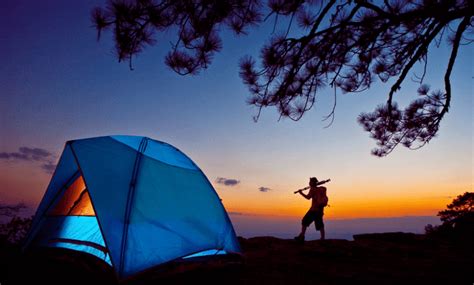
133 202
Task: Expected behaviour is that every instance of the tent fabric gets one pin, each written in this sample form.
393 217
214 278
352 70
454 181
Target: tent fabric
134 202
187 218
107 168
160 151
80 233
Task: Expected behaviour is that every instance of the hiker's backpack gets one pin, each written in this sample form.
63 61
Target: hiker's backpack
325 199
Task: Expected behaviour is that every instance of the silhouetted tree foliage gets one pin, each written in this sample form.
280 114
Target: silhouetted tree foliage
15 228
344 45
461 209
458 218
196 23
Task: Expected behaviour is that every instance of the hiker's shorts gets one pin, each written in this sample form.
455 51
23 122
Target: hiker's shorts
315 216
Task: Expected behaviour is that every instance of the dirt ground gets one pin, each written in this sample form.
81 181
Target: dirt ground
392 258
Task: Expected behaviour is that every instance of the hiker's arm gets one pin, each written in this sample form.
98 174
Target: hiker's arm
307 196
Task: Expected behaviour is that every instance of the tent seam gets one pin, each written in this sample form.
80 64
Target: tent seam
92 203
131 192
196 167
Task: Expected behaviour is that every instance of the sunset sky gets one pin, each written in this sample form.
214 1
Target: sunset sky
57 83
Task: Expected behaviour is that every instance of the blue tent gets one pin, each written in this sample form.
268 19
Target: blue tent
133 202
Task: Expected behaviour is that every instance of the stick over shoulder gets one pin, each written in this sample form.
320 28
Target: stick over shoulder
319 183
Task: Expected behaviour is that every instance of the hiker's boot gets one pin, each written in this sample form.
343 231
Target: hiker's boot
300 238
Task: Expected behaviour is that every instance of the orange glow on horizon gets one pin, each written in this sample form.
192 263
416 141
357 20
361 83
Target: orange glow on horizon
352 209
368 205
361 199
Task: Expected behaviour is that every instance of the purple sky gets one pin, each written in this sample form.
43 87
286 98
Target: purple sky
58 83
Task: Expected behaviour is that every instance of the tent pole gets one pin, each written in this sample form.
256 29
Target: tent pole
131 192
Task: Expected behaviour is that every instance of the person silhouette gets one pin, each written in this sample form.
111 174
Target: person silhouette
315 214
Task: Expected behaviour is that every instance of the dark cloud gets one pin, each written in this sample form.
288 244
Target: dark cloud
13 156
48 167
264 189
35 153
11 210
227 181
31 154
26 153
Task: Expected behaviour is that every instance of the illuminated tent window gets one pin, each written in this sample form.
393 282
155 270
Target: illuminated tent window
75 201
71 221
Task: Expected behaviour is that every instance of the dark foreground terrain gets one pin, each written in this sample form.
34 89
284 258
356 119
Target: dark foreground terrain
392 258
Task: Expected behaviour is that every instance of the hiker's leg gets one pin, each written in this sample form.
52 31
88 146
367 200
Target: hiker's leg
323 234
305 222
303 230
300 237
319 224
